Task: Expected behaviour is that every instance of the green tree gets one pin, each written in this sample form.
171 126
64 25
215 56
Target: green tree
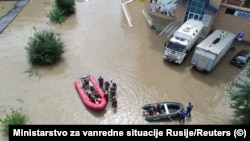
15 118
45 48
240 96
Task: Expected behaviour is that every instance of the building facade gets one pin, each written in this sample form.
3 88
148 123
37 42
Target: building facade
234 16
230 15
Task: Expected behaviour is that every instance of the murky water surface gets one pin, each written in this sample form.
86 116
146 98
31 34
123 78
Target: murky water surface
100 42
5 7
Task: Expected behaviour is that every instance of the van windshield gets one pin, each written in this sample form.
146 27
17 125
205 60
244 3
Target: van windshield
176 47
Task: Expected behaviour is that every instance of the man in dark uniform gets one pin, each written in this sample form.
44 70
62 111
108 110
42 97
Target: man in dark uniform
114 102
182 116
101 81
189 109
106 86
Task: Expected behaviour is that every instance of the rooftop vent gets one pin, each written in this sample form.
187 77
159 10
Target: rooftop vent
188 27
216 40
221 36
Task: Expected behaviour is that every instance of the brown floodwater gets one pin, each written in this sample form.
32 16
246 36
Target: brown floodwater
5 7
99 42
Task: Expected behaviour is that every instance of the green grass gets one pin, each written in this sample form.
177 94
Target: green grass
16 117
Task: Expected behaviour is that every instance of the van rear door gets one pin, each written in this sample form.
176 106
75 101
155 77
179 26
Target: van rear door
203 61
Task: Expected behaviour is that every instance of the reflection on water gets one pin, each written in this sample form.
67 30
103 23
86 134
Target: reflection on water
100 42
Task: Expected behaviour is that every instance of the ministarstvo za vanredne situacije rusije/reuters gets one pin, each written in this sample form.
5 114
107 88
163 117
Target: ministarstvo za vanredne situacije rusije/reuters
154 131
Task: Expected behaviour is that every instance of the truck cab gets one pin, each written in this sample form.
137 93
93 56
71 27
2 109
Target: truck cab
176 50
182 41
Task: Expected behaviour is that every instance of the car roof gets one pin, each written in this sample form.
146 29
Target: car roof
244 52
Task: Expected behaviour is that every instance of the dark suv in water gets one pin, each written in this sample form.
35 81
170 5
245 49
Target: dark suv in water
241 58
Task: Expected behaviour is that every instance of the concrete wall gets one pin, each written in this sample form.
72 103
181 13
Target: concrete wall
216 4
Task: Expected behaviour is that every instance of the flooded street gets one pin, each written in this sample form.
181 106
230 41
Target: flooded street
99 42
5 6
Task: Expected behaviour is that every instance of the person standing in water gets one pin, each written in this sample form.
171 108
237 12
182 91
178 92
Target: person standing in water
183 114
114 102
101 81
106 86
189 109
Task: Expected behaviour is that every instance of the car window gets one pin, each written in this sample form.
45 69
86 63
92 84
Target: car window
248 58
241 58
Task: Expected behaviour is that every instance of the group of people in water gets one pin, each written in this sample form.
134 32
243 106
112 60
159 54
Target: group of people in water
109 88
186 112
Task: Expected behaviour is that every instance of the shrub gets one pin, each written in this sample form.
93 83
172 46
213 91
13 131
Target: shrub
45 48
61 10
68 6
15 118
56 15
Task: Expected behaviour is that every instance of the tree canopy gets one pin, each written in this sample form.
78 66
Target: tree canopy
240 96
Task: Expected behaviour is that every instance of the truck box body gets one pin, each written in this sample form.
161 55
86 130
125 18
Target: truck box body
211 50
182 41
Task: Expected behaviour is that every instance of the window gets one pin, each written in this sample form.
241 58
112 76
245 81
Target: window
196 9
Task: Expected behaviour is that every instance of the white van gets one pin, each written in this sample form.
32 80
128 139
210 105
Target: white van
212 49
